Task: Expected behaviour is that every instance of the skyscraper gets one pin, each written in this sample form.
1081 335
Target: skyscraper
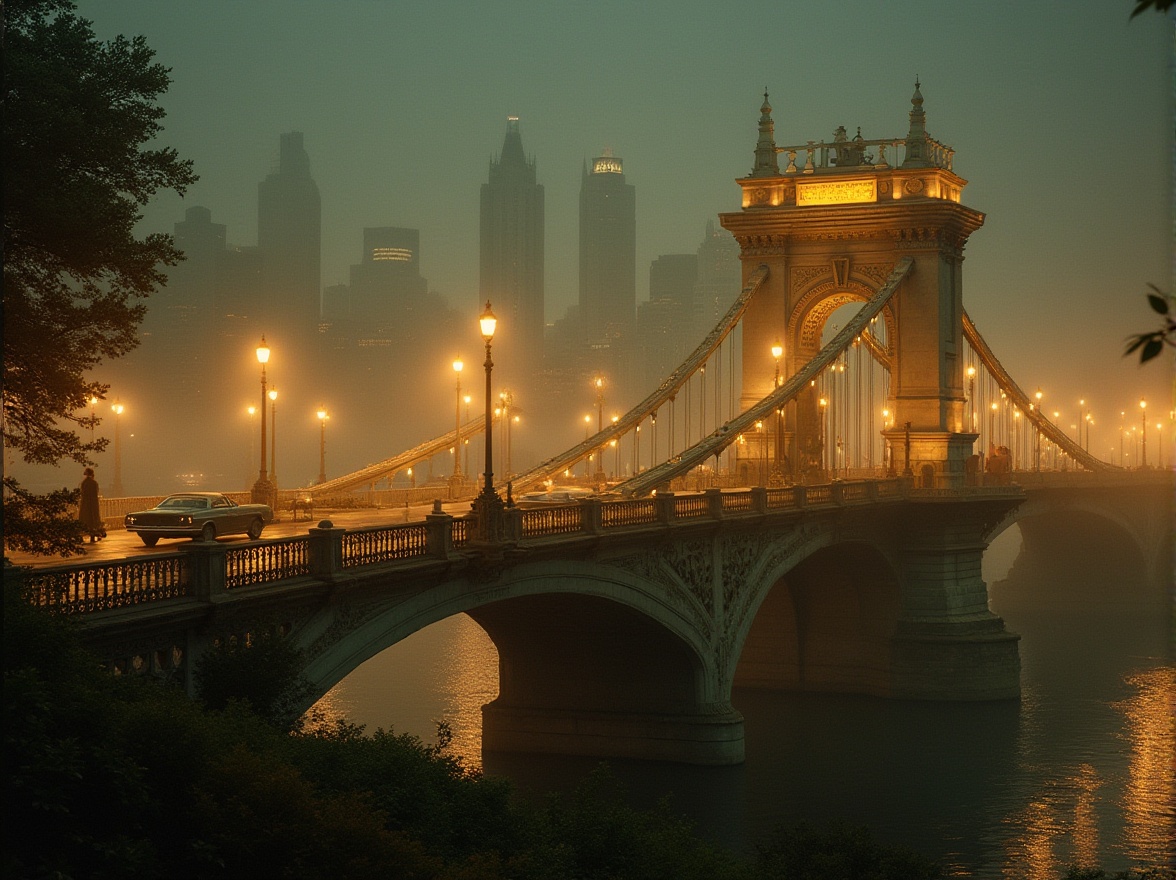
511 276
719 277
289 239
608 250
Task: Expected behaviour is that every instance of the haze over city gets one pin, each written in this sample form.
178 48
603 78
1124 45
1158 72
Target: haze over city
1060 118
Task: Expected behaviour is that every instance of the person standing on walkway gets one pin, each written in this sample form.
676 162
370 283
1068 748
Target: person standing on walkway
88 512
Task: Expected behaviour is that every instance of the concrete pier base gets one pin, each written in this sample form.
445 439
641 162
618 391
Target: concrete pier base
714 739
960 660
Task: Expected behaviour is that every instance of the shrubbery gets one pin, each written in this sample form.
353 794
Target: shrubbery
126 778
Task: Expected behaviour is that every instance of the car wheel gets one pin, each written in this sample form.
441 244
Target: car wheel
254 530
208 533
149 540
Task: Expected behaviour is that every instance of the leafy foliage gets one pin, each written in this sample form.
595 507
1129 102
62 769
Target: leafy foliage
1150 345
1158 5
263 671
838 852
78 112
41 524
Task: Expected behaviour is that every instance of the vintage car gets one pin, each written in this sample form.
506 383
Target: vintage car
202 515
557 496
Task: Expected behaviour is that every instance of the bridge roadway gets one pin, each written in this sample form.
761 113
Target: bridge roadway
622 625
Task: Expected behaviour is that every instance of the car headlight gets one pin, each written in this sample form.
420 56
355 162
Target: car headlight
130 520
185 520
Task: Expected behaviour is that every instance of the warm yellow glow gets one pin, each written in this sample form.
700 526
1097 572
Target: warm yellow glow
823 402
263 352
488 323
397 255
322 414
252 410
599 382
616 419
759 426
994 406
607 165
93 401
467 400
612 442
1038 395
1143 404
118 409
457 365
587 420
777 350
836 192
273 394
971 372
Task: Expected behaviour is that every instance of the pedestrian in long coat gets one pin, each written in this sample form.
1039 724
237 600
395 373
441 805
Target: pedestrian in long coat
88 512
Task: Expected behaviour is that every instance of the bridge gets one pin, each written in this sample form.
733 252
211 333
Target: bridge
868 466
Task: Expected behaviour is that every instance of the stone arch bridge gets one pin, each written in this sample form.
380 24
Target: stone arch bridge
622 626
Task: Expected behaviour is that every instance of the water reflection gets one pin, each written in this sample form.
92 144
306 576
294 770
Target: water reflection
1080 771
1151 774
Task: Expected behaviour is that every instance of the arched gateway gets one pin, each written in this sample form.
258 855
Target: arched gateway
830 227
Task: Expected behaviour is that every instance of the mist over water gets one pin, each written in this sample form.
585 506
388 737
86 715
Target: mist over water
1079 771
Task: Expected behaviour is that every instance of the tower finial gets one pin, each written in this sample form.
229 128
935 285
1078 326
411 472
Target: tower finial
917 153
765 147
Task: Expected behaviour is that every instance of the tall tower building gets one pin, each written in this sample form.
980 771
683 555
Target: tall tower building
608 250
511 276
289 239
720 277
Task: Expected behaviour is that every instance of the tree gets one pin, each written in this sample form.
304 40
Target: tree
1151 344
78 113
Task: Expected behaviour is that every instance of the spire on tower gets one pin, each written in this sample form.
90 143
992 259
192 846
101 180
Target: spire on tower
917 154
765 147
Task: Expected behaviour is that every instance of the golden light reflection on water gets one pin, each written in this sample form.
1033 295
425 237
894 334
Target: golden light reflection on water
1031 853
469 676
1151 773
445 672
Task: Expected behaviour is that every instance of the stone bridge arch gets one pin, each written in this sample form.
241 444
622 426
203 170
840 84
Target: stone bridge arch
594 659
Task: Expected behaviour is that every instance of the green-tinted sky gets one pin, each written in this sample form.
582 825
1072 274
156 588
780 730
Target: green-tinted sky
1060 114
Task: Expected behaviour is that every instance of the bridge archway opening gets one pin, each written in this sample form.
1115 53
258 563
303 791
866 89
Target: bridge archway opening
1074 560
825 626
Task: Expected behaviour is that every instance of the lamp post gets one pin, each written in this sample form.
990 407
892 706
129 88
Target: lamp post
273 396
93 416
466 399
617 446
1037 437
252 410
587 433
598 384
263 488
322 417
487 507
116 488
777 477
1160 443
1143 431
823 403
972 398
457 368
1081 420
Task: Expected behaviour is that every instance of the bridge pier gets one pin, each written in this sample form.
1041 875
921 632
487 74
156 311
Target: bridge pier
583 675
948 645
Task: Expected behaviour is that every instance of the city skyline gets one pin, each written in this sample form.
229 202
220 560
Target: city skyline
1035 104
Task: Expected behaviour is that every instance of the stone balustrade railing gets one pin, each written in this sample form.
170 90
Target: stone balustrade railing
200 569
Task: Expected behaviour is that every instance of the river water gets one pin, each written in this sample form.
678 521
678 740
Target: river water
1081 770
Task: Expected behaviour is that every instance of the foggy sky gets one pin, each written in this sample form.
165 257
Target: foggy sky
1059 114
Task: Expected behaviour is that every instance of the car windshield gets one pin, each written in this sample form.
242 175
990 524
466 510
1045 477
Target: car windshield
183 502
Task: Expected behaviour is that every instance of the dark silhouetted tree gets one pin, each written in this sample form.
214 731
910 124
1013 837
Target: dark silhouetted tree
77 114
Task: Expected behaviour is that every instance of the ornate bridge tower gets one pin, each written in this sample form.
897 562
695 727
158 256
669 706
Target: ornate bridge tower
830 225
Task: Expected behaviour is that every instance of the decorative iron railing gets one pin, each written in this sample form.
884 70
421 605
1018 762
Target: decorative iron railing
101 586
96 586
384 544
263 563
632 512
552 520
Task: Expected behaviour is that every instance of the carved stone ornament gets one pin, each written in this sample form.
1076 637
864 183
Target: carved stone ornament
760 196
653 567
914 186
803 275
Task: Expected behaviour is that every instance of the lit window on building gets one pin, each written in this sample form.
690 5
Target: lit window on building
398 255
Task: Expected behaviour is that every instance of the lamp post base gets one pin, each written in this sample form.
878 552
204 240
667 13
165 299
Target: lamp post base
263 492
488 510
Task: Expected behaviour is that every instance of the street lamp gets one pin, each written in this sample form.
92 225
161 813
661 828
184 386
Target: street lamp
466 399
1143 431
777 473
116 488
823 402
273 396
972 397
487 507
587 433
262 489
322 417
1037 437
457 368
93 416
598 383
